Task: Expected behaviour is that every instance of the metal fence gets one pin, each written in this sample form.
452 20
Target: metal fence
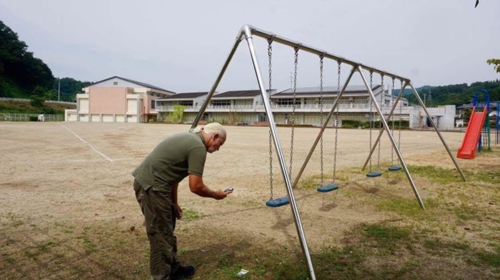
15 99
30 117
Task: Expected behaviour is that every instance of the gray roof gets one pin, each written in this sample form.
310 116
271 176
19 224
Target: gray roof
326 90
135 82
186 95
238 93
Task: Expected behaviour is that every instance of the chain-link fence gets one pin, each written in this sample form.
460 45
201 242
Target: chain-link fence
30 117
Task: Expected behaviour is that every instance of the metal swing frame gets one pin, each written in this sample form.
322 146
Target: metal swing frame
246 33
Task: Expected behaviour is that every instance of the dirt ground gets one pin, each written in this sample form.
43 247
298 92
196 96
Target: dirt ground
80 174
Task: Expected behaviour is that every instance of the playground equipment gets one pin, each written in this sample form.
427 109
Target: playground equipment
478 130
497 124
247 33
280 201
394 167
332 185
371 123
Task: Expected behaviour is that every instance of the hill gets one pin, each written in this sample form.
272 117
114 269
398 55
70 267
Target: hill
20 71
457 94
22 75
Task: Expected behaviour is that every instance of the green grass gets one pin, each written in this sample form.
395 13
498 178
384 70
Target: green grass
436 174
45 246
311 182
386 237
408 207
190 215
490 258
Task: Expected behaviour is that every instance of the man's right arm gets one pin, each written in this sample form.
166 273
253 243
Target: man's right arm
197 186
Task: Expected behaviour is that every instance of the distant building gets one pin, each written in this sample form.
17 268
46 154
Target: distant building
117 99
247 107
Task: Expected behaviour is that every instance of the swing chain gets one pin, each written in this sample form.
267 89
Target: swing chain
400 118
270 67
296 61
321 57
392 98
370 117
381 116
339 69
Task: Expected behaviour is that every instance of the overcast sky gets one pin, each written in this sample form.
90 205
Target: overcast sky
182 45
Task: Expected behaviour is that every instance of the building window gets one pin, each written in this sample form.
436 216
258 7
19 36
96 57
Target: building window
115 83
153 104
288 102
186 103
221 103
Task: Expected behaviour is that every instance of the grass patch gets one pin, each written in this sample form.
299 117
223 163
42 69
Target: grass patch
464 212
386 235
15 220
44 247
436 174
311 182
439 245
190 215
491 259
409 207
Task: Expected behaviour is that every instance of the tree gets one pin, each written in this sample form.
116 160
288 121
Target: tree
177 115
69 88
18 67
496 64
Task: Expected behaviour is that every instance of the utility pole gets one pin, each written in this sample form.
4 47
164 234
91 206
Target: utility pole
59 90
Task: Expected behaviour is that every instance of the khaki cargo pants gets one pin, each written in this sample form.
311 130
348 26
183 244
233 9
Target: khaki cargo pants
160 218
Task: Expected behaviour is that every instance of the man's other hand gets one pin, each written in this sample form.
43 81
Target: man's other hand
178 211
220 194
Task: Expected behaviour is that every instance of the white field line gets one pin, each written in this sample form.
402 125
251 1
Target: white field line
90 145
87 160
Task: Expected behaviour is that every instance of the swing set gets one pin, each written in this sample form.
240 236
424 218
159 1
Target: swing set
247 33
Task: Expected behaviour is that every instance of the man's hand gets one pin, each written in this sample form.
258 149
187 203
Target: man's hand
178 211
220 194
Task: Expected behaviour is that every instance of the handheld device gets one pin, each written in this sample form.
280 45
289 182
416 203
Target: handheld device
229 190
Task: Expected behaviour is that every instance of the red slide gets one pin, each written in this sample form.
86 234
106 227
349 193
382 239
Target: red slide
471 138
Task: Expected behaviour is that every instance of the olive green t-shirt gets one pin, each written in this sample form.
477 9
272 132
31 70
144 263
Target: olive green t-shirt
171 161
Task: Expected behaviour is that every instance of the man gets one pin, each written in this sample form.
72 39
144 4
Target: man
156 182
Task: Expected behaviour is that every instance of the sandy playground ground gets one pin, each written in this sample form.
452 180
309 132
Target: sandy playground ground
79 174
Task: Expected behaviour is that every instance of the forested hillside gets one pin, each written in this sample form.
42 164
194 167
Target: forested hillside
454 94
69 88
22 75
20 71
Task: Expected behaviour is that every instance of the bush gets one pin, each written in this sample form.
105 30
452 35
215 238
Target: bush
36 101
33 119
376 124
177 115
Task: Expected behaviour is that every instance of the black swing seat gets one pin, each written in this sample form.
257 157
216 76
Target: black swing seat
281 201
328 188
374 174
395 168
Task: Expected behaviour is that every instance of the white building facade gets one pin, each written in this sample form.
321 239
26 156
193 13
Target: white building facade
246 107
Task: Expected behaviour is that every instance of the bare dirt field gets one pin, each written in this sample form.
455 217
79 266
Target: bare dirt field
67 208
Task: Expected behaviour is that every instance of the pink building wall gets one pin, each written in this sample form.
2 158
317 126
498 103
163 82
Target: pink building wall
147 104
108 100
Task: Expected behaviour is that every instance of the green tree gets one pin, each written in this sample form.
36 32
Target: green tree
495 63
69 88
20 69
177 115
